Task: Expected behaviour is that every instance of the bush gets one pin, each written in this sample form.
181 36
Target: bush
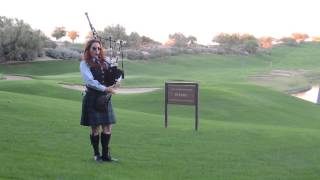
19 41
62 53
151 53
250 46
79 50
289 41
175 51
159 52
134 54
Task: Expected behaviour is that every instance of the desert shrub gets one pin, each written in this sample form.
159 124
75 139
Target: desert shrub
62 53
151 53
146 55
197 50
79 50
289 41
189 51
212 50
245 48
134 54
175 51
159 52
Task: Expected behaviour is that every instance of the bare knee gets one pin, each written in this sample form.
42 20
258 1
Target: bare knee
95 130
107 129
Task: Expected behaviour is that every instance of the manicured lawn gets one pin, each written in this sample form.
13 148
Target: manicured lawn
246 131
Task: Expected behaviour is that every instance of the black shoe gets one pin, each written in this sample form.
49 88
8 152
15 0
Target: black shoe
97 158
108 158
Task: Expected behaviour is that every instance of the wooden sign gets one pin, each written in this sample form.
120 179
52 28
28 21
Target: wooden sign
181 93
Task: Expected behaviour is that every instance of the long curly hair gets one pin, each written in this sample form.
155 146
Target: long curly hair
89 59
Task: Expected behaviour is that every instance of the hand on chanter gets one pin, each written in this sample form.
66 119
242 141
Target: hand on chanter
117 84
110 89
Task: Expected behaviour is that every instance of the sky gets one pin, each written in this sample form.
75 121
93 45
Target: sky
158 18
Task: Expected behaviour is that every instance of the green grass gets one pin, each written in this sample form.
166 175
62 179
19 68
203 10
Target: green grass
246 131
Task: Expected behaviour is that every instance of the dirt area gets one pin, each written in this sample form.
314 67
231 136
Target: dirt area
118 90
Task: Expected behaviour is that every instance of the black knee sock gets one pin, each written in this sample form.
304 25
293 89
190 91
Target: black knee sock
95 144
105 139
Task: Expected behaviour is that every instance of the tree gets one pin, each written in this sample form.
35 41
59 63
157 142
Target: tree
134 40
316 39
59 32
117 32
46 41
299 37
170 43
148 41
192 40
89 35
246 37
228 40
250 46
237 42
73 35
265 42
180 39
222 38
234 39
18 41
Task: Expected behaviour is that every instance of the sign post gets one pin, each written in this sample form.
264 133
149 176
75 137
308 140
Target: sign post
182 93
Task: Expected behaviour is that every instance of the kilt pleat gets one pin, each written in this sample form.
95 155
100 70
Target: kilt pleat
92 117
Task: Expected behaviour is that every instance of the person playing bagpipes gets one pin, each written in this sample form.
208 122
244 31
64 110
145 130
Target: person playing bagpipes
101 80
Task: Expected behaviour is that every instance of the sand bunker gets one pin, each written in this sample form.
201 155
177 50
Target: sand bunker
118 90
278 73
15 77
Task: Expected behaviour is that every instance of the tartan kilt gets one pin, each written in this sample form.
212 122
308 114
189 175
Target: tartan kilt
91 117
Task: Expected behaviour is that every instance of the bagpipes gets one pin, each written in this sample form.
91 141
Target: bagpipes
115 52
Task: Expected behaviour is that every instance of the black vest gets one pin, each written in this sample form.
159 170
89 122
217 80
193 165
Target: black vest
107 76
100 75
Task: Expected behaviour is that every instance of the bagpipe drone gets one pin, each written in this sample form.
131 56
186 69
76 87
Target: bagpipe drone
115 53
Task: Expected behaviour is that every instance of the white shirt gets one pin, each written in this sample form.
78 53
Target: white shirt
88 77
